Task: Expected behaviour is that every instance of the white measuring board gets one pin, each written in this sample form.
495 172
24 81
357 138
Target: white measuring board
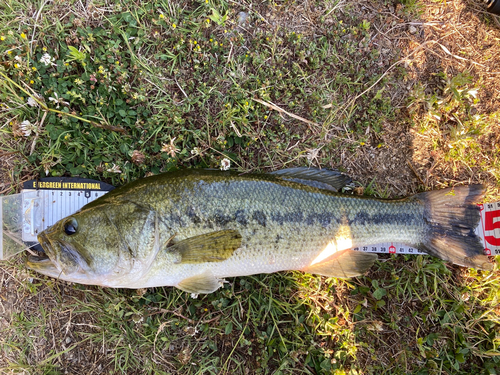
43 208
49 200
489 228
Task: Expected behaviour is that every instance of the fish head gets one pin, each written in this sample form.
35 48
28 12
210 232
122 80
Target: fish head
85 247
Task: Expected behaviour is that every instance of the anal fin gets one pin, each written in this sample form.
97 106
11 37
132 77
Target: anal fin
204 283
343 264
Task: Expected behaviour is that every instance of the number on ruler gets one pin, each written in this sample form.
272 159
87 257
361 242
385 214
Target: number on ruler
374 248
383 249
365 248
490 225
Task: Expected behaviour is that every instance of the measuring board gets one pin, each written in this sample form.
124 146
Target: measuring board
44 202
47 201
41 204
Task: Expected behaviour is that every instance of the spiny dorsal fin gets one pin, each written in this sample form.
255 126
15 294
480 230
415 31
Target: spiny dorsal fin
344 264
209 247
318 178
200 284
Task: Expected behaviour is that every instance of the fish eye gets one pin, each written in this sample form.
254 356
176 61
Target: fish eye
70 227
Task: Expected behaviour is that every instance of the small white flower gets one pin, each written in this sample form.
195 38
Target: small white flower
46 59
26 128
312 154
137 318
57 100
114 169
473 92
170 148
195 151
191 331
32 102
18 58
225 164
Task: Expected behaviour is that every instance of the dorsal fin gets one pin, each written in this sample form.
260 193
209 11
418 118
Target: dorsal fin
319 178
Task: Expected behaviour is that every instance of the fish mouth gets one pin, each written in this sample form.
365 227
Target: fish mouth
43 240
41 261
42 264
60 258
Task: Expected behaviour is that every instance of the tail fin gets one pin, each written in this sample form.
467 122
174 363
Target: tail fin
452 216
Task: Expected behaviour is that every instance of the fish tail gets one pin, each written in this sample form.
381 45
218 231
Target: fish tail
452 216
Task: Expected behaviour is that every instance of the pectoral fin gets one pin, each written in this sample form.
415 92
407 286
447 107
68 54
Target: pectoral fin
204 283
210 247
344 264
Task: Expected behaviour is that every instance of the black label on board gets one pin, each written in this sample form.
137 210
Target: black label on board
67 183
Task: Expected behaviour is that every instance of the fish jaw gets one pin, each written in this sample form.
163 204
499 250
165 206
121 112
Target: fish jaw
61 260
45 263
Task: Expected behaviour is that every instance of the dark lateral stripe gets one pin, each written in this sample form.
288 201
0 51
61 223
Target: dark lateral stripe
289 217
324 219
363 218
260 217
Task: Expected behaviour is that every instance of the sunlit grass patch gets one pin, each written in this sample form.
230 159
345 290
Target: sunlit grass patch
463 140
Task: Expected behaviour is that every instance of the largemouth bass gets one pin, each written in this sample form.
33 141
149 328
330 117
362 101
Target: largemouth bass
190 229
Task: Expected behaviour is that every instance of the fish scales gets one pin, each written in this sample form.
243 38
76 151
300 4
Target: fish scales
284 225
161 225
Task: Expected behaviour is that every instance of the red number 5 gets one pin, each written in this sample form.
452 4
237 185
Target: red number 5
490 225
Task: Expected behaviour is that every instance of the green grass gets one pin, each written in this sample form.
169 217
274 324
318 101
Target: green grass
462 136
153 87
410 315
132 71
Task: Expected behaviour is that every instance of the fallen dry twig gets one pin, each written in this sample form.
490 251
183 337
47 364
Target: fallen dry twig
276 108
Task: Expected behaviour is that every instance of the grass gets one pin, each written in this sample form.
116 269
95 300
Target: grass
147 72
130 89
460 134
425 315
